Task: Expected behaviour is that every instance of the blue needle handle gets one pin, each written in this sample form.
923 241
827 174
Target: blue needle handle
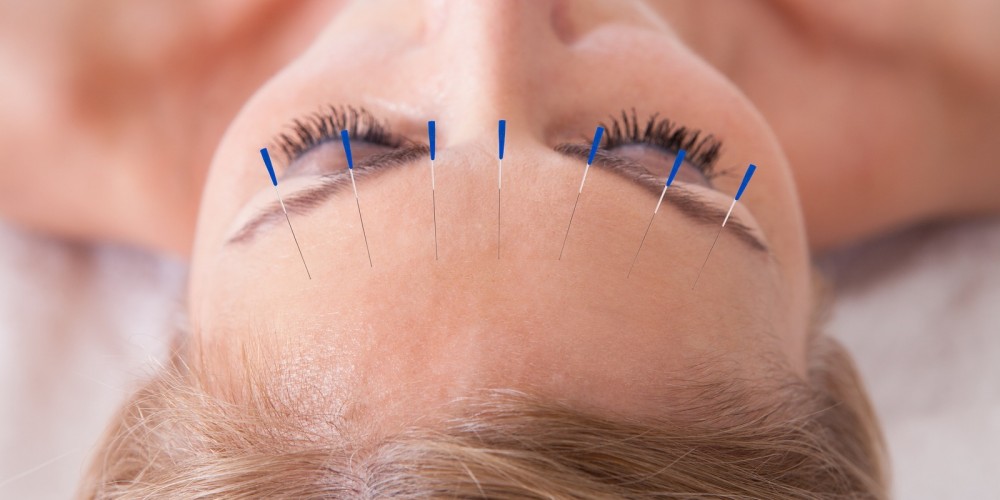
746 180
597 143
503 135
430 134
346 139
677 165
267 163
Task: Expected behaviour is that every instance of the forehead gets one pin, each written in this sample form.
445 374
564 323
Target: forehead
416 330
397 361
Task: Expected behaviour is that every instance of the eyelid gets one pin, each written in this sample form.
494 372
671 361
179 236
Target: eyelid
328 157
689 200
373 164
307 133
620 164
685 197
664 160
320 188
703 149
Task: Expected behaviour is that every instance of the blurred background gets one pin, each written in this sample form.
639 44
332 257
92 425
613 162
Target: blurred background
82 322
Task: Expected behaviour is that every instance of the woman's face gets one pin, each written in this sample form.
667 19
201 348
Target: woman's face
412 331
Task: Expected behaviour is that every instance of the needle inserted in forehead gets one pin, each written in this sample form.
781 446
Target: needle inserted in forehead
670 180
346 139
274 182
430 134
746 180
502 131
590 160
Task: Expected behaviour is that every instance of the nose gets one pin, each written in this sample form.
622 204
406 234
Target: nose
492 59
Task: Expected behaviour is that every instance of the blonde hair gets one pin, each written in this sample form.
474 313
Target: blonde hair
173 439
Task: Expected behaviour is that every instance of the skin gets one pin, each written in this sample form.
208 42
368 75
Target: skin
124 91
409 333
924 73
887 110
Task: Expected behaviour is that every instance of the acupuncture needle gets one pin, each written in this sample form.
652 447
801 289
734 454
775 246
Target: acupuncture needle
346 139
502 131
670 180
274 182
590 160
743 185
430 134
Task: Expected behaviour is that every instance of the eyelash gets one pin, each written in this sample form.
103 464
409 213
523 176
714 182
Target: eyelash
325 126
702 150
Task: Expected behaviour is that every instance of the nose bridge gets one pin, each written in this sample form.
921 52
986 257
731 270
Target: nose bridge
491 51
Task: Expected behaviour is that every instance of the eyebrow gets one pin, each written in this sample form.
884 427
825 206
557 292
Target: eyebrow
307 199
303 201
684 199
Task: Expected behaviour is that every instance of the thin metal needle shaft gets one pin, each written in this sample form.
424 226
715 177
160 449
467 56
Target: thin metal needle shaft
724 221
499 187
266 157
345 138
743 185
502 140
707 257
362 219
434 207
432 145
294 238
568 226
644 234
590 160
678 160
